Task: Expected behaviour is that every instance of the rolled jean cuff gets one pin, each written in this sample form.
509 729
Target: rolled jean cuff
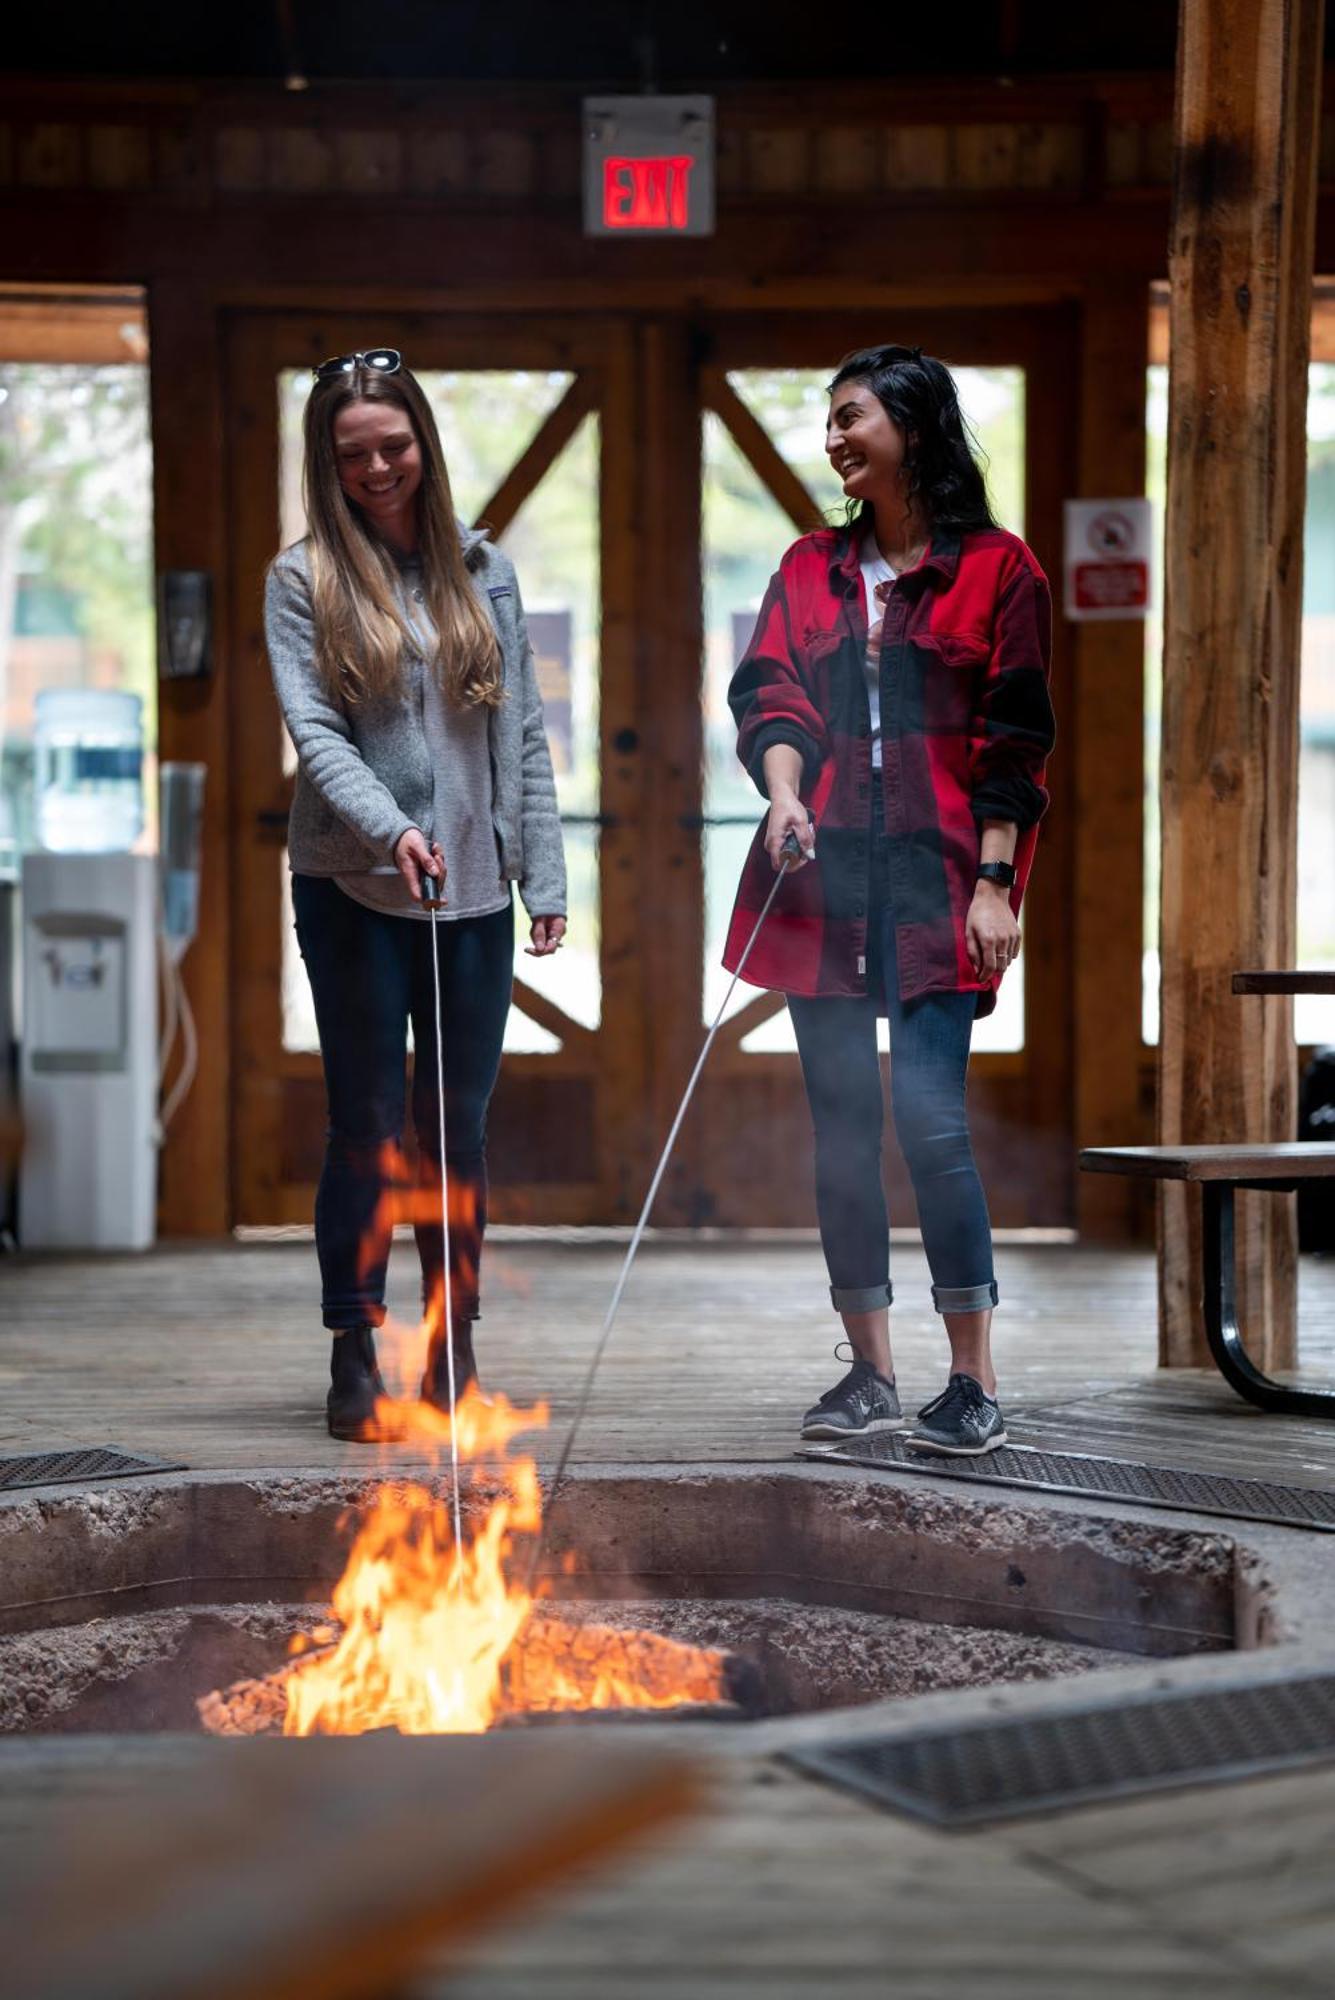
964 1298
861 1298
342 1318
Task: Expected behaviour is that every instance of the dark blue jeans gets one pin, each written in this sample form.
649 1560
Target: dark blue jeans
929 1056
370 975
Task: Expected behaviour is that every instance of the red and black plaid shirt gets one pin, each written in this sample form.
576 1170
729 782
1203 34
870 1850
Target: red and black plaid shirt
966 728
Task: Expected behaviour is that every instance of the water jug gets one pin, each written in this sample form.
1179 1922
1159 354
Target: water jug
89 751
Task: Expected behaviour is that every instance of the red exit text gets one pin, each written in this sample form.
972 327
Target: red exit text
647 193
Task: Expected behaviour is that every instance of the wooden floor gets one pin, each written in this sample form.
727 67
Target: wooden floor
216 1356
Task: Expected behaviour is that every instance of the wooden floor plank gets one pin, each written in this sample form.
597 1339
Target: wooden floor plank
217 1356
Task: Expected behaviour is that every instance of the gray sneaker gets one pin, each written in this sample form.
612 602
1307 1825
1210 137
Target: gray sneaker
963 1421
862 1403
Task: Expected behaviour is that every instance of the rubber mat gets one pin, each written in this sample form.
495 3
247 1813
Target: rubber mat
1183 1490
993 1771
63 1468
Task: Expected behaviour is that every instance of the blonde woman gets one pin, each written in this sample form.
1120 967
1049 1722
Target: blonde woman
402 664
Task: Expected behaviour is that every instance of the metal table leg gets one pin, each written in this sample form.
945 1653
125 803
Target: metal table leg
1219 1255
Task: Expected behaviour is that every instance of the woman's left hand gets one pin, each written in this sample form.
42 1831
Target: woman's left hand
546 933
992 933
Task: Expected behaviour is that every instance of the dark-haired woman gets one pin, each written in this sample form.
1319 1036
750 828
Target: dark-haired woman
403 668
893 708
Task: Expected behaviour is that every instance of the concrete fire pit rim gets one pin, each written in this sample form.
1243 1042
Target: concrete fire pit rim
1246 1537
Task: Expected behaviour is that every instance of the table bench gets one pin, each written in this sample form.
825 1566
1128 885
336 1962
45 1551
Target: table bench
1221 1170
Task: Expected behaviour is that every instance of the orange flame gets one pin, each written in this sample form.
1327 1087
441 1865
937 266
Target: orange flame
437 1639
431 1637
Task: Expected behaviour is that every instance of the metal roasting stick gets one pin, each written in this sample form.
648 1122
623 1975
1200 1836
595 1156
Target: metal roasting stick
791 851
431 896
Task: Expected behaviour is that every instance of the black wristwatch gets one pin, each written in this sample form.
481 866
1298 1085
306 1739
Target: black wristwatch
1000 872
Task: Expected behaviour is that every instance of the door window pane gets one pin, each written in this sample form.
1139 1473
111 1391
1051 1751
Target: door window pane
76 562
745 531
553 542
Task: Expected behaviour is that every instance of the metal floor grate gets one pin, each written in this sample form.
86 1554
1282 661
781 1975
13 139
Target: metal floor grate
1005 1770
1107 1478
62 1468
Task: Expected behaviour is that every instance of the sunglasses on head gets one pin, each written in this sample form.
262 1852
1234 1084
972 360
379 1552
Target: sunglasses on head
376 361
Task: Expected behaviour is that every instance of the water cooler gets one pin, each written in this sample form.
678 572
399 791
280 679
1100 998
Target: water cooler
89 1058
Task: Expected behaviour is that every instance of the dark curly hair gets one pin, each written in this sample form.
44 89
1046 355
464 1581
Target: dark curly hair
940 454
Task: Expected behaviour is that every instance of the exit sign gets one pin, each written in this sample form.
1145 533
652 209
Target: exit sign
648 166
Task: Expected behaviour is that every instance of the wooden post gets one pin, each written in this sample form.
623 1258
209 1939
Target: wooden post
195 1196
1248 89
1109 689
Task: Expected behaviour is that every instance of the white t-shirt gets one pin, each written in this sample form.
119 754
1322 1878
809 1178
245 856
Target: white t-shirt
875 569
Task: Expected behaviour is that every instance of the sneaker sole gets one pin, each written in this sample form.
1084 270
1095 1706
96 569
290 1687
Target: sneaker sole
958 1450
866 1430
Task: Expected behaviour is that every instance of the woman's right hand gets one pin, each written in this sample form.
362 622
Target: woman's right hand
787 814
414 858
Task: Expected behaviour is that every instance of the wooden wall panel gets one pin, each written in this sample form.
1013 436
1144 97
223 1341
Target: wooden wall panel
194 725
1105 738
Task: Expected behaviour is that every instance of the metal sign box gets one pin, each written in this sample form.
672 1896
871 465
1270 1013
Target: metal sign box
648 166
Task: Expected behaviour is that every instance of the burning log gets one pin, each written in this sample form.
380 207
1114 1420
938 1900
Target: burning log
556 1666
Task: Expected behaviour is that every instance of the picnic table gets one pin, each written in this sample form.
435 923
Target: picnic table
1276 1168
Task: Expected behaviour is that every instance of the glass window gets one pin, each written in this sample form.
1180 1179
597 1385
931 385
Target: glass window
744 533
76 561
487 418
1314 1014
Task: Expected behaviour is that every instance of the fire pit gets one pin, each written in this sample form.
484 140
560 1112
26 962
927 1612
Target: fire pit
261 1604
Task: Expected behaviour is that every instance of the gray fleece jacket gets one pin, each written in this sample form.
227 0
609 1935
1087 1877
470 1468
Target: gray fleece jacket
363 774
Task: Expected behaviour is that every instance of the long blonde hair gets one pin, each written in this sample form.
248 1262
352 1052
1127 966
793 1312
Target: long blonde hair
360 632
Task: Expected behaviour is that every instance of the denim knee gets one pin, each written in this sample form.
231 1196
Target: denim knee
934 1140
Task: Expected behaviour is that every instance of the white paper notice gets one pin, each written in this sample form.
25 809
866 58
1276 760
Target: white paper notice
1109 549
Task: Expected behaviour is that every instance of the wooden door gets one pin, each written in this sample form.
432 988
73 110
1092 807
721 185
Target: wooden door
536 419
758 383
673 416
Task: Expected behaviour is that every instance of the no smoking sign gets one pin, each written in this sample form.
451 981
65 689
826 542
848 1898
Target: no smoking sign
1107 558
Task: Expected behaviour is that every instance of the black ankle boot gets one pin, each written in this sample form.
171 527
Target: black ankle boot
354 1385
436 1380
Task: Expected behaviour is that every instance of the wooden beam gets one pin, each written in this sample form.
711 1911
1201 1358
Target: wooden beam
194 726
91 325
754 1014
758 449
540 455
548 1015
670 651
1108 747
1242 240
626 754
